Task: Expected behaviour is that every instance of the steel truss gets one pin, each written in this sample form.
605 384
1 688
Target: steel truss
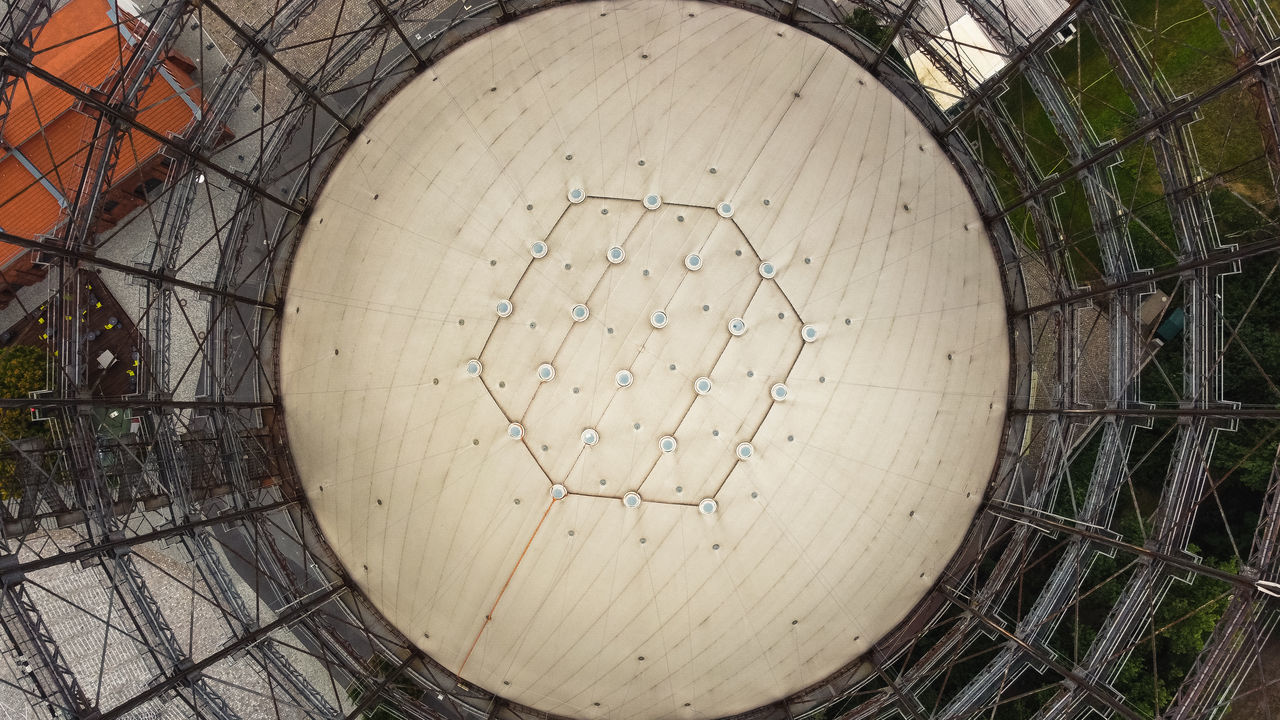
173 569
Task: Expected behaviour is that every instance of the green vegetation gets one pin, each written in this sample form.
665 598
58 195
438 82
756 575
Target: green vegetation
379 668
864 22
22 370
1185 44
1183 41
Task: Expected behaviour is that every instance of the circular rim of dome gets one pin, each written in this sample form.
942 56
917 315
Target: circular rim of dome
792 336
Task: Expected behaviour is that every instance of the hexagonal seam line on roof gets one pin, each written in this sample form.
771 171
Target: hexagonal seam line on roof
747 438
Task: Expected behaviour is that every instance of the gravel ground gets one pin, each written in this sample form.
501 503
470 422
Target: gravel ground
110 661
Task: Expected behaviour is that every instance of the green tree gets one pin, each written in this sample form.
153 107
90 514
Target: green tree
22 369
864 22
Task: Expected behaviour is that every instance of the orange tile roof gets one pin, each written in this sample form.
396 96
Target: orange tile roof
27 211
81 45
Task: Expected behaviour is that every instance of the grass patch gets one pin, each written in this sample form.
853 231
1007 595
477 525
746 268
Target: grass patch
1185 44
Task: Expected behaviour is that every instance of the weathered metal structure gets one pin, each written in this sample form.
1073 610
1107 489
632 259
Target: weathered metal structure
174 570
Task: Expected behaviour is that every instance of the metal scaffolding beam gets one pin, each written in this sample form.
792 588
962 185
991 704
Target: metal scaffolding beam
112 544
197 472
184 676
1174 112
1183 562
130 401
161 279
263 51
1216 259
1225 411
52 679
1042 656
893 34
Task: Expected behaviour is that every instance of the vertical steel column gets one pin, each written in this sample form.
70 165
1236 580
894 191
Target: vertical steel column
893 34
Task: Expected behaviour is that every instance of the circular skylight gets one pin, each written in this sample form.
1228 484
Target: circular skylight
744 450
474 368
809 333
768 270
590 436
546 373
631 500
515 431
725 209
538 249
707 506
558 491
616 254
504 308
702 385
693 261
579 312
737 326
667 444
652 201
624 378
779 392
577 195
658 319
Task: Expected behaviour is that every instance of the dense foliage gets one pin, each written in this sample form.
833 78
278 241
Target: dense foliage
22 370
864 22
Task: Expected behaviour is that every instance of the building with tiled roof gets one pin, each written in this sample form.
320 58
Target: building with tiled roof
48 136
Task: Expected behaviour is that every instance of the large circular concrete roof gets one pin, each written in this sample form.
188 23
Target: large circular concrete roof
814 257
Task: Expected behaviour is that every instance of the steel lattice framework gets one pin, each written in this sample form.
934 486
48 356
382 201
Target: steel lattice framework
1127 555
